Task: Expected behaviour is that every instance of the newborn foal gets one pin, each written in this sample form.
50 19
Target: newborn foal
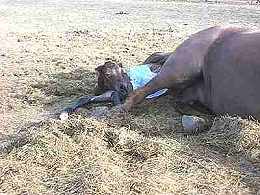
114 85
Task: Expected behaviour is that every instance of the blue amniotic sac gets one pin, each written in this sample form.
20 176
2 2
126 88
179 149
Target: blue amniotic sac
140 75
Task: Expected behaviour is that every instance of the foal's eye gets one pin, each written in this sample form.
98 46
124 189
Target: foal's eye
107 74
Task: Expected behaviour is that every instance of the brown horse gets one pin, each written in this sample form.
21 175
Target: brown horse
219 67
114 84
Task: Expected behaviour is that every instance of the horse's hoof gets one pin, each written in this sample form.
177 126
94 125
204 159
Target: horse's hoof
193 124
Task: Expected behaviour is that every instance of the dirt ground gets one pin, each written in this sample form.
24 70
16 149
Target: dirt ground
48 53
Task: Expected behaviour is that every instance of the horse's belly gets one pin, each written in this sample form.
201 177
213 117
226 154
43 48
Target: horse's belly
233 76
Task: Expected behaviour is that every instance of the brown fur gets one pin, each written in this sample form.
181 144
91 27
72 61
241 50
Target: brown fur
219 67
112 77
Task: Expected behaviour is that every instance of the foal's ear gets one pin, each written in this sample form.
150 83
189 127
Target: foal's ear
99 68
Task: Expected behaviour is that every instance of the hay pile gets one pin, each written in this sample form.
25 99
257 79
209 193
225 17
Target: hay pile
138 153
235 135
134 154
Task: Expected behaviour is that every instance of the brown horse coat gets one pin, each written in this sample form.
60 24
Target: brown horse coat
219 67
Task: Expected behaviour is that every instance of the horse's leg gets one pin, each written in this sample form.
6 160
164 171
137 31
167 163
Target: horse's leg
157 58
109 96
176 73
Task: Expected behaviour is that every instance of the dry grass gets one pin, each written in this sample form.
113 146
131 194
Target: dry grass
137 153
84 155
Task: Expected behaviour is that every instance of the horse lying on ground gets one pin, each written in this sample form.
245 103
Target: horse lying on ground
218 67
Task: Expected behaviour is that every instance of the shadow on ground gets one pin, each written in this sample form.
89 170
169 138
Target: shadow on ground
61 89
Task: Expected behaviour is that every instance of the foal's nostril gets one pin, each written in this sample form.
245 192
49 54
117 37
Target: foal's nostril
123 88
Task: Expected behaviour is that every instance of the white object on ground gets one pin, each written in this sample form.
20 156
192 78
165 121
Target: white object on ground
140 75
193 124
64 116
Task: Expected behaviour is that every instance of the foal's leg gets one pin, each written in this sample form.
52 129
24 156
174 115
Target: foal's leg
109 96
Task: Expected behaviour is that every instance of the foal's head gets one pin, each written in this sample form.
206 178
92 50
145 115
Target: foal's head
111 76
